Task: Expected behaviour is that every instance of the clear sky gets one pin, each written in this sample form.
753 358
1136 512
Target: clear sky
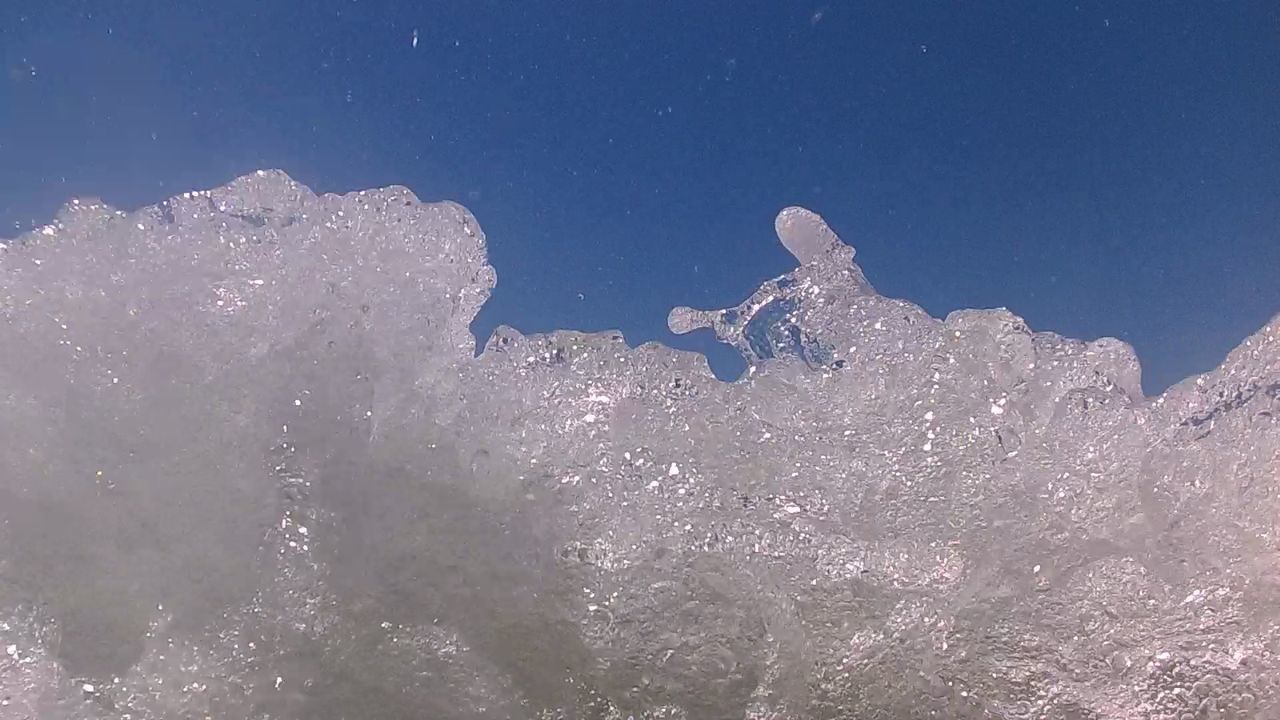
1098 168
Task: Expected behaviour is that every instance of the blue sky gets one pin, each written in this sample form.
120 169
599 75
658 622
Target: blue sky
1098 168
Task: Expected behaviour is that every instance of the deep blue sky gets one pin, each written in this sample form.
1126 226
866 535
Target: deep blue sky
1099 168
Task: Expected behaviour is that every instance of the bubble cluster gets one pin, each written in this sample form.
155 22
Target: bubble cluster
252 467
